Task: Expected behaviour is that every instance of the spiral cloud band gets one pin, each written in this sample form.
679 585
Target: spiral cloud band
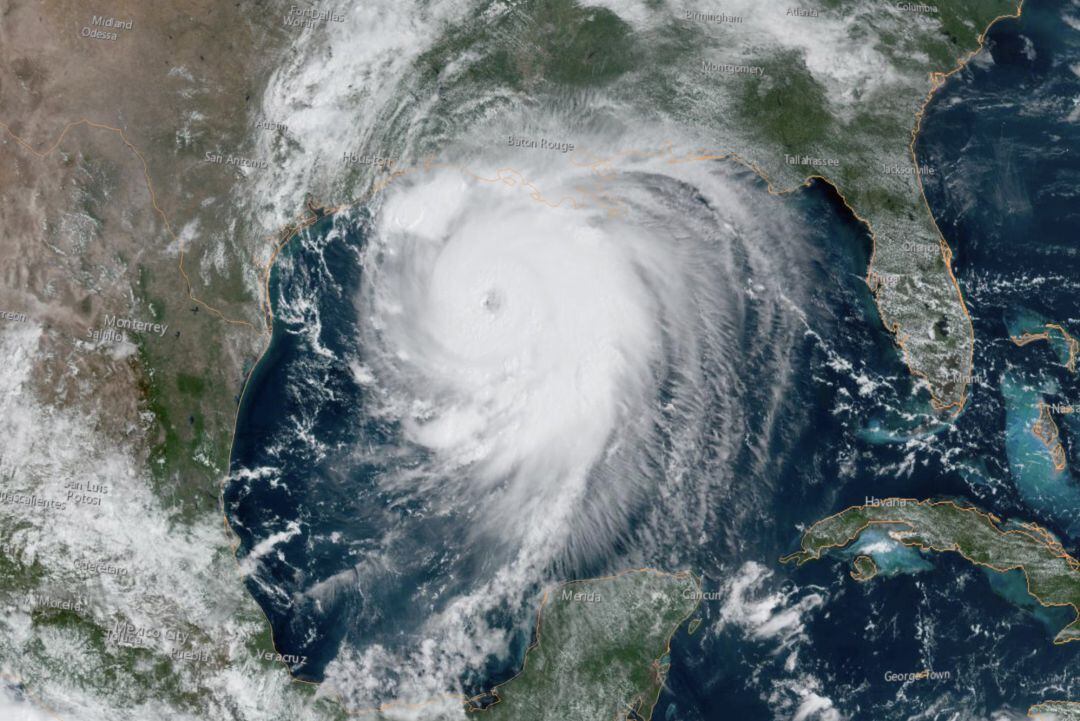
521 341
562 355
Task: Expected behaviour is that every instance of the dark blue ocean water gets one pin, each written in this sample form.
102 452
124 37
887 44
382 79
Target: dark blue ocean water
1003 135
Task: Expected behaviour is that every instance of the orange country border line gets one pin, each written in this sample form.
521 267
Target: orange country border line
600 167
937 80
507 176
291 231
510 176
466 700
287 234
149 187
1031 530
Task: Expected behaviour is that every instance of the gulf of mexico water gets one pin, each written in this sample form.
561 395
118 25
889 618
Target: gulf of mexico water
776 642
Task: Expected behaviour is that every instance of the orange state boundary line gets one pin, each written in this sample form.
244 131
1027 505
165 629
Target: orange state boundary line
601 168
937 81
599 165
314 213
505 175
871 276
42 154
511 177
1030 530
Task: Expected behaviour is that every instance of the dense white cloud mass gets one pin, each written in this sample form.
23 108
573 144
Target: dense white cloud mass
555 366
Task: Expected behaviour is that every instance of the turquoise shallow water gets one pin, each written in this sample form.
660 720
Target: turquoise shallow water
1042 486
891 557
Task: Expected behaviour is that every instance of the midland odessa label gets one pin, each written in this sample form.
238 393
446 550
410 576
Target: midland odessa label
103 28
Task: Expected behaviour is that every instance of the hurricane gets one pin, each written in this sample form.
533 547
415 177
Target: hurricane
553 359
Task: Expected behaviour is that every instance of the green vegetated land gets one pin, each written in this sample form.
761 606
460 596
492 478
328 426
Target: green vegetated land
1056 710
600 651
854 129
1053 576
863 568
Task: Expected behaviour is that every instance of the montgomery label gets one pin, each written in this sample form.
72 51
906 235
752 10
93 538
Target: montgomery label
729 68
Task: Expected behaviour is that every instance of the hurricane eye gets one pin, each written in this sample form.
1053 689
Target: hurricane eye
493 300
